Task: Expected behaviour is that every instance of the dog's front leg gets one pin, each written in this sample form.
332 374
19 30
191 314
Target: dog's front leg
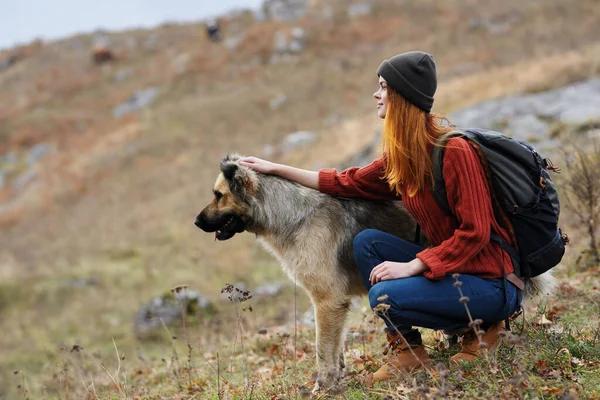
330 317
340 315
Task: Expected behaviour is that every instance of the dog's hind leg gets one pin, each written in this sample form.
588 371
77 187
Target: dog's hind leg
330 316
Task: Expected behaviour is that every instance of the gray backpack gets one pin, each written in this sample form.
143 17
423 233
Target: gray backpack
521 186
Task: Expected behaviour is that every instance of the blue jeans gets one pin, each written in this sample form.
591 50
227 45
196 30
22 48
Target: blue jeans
418 301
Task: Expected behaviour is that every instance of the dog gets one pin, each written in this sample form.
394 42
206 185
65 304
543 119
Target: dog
311 234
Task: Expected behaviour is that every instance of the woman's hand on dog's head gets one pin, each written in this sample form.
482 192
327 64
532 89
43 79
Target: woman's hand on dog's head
259 165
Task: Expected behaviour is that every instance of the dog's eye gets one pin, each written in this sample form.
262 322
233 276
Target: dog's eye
218 195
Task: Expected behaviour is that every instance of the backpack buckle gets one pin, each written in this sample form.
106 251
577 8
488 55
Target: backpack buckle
550 166
565 238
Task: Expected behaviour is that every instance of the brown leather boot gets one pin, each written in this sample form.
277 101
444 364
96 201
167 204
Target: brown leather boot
471 347
401 358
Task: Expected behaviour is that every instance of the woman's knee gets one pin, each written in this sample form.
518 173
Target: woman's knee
379 294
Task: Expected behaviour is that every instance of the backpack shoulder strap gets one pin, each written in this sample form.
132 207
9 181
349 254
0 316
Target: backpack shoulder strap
437 160
439 185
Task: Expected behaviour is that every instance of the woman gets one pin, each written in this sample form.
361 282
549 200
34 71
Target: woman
416 283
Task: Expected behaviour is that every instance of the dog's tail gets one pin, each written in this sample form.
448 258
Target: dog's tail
542 285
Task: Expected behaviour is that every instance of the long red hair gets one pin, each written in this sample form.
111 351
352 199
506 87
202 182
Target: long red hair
409 134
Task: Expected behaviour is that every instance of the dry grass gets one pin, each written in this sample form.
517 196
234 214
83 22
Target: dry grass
556 356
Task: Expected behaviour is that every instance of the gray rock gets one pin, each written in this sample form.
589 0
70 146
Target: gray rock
298 41
123 75
285 10
151 43
280 42
24 179
8 159
297 140
101 39
527 123
355 304
37 152
308 318
277 101
2 179
292 42
259 15
282 58
327 13
295 47
593 134
496 25
268 150
169 309
584 113
528 116
354 335
8 62
298 33
359 9
233 43
137 101
268 290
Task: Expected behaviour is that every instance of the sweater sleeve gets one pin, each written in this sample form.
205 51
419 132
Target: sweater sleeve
469 200
364 182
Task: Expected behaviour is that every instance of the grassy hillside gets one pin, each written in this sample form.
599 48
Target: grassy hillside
115 198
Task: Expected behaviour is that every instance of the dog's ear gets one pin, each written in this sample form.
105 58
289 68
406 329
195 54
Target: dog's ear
231 157
229 169
229 165
242 180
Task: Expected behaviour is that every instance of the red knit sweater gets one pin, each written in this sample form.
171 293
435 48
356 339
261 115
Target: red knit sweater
462 245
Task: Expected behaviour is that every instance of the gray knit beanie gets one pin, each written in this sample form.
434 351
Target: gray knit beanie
413 75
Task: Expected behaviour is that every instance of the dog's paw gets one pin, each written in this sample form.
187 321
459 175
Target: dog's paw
320 389
329 383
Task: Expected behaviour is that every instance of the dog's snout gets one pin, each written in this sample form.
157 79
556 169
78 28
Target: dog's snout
198 221
204 222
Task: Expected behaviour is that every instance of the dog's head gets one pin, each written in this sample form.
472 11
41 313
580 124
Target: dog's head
229 212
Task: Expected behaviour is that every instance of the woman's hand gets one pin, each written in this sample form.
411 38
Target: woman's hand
306 178
259 165
394 270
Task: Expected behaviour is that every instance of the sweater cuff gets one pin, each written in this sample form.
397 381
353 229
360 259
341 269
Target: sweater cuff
327 181
436 268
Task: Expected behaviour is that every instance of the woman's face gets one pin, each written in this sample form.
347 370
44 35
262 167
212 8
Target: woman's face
381 97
